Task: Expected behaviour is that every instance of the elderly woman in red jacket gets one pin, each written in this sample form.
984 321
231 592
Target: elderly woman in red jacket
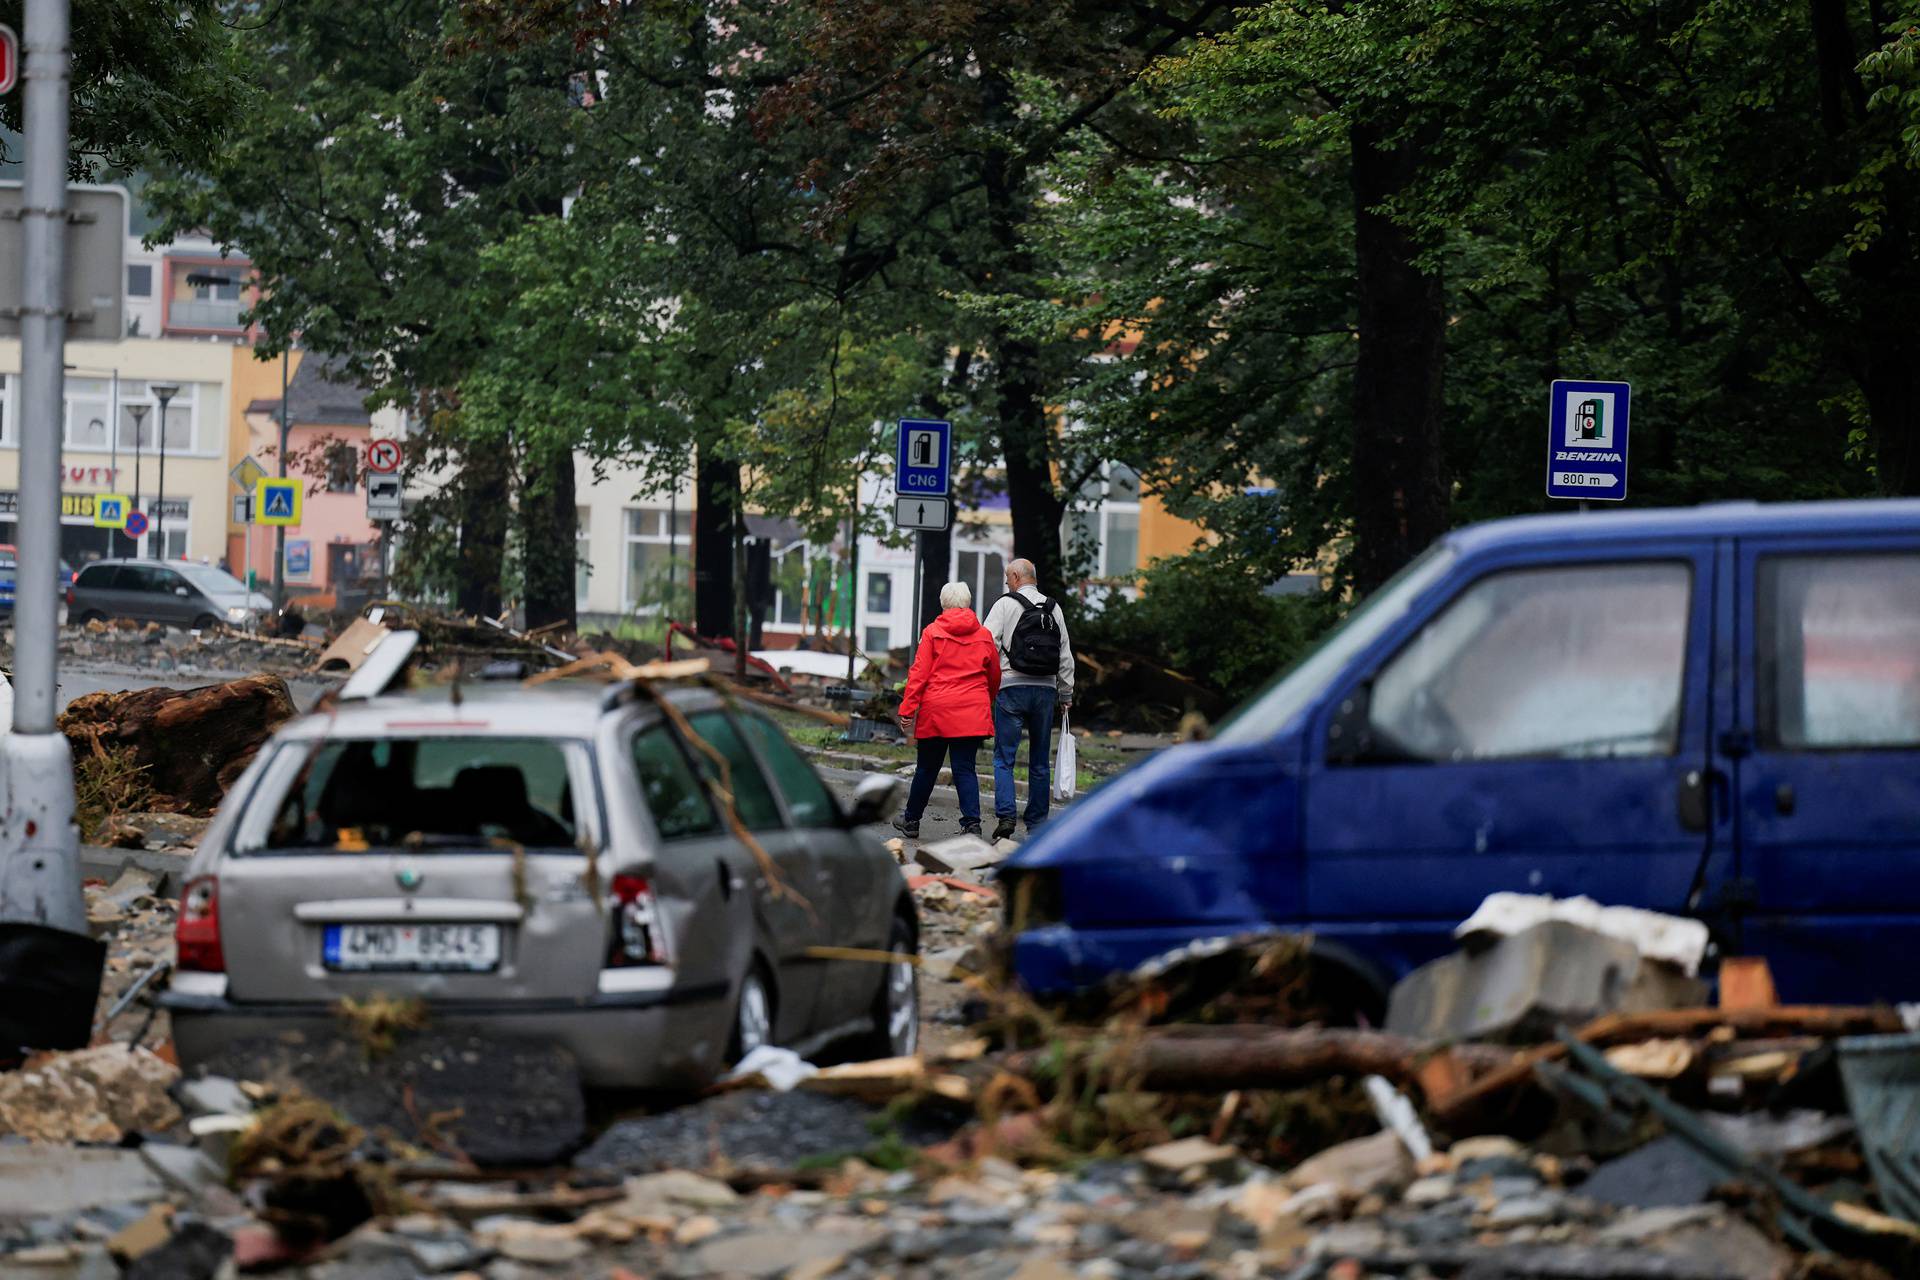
948 705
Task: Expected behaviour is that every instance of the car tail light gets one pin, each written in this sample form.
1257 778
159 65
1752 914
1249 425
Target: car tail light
196 934
69 595
636 932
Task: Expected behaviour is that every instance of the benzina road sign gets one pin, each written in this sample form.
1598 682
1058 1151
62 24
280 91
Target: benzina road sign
1587 440
924 451
277 502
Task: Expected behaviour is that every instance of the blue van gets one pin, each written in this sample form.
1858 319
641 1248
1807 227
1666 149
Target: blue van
1712 712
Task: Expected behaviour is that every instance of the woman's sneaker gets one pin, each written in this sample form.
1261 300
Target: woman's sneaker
911 830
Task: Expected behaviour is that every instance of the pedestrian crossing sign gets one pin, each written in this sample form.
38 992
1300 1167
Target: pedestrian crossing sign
277 502
110 510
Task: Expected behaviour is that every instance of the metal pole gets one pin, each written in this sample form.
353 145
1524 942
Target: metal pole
43 332
113 436
139 412
40 901
163 395
854 595
913 613
280 530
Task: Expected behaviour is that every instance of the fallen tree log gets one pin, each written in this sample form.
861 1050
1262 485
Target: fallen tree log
191 744
1214 1060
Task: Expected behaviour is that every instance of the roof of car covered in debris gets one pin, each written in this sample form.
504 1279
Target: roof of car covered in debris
1713 520
566 708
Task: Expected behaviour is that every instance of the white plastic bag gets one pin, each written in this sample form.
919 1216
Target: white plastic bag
1066 762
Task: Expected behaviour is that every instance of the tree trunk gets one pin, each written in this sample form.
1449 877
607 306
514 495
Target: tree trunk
549 522
716 492
936 554
1026 430
1398 474
482 497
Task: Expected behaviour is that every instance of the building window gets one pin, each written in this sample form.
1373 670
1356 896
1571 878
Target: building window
6 408
986 573
1103 535
653 548
178 515
880 593
582 543
879 639
343 468
205 297
792 586
87 411
139 280
182 417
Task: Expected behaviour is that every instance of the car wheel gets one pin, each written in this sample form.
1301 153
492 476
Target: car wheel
752 1015
205 622
92 615
896 1005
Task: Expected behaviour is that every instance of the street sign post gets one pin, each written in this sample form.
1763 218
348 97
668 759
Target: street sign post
110 510
93 277
277 502
924 456
383 498
383 457
920 513
1587 441
9 58
243 510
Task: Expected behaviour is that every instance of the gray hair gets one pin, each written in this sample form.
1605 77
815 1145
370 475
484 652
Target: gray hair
956 595
1023 570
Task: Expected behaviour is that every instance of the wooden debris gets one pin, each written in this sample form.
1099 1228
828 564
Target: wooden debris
191 744
1652 1059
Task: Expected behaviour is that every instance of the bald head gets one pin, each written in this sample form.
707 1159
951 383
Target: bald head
1020 573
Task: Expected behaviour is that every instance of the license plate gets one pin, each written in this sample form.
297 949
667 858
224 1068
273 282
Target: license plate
461 947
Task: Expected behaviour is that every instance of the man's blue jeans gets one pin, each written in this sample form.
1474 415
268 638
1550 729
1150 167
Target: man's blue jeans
1024 709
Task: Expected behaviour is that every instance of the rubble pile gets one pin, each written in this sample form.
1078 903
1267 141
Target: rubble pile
135 918
152 647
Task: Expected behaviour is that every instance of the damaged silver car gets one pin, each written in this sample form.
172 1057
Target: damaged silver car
549 863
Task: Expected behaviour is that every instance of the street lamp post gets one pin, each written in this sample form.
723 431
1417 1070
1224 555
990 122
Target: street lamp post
163 392
139 412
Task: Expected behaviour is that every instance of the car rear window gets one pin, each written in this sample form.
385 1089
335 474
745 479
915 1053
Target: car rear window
97 575
429 793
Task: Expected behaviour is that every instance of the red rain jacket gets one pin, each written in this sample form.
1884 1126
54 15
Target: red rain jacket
955 678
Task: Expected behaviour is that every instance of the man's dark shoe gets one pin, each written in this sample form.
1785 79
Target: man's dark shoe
970 828
1002 829
911 830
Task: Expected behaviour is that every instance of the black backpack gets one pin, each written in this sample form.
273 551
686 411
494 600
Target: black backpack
1034 648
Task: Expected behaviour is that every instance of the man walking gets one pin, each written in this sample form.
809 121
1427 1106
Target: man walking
1036 675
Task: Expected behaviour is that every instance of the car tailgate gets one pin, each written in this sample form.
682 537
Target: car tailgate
546 937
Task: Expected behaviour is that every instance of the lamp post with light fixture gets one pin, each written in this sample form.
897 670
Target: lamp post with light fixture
163 392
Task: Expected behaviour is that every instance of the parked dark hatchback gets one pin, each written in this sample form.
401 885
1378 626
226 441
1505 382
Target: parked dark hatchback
175 593
1712 712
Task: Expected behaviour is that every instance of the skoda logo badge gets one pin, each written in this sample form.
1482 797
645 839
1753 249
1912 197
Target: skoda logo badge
407 877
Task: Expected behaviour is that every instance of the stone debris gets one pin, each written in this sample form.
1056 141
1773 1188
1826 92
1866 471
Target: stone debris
89 1095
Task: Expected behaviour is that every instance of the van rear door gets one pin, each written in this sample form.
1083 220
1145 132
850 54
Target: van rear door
1544 730
1827 768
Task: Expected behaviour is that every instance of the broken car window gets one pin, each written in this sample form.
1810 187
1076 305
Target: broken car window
808 799
1839 642
429 793
751 796
1584 661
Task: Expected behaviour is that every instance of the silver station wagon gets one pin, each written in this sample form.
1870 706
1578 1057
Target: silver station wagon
548 863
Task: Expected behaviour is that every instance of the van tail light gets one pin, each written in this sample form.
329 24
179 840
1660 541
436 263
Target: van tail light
69 595
636 928
196 934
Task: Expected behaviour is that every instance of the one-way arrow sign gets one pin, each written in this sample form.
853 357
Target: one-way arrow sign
919 513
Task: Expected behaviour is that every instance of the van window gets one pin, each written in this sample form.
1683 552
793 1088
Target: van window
1839 650
429 793
1571 661
673 793
95 577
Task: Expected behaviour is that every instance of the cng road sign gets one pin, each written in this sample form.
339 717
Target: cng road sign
923 455
277 502
247 473
9 58
383 457
383 498
1587 440
110 510
920 513
136 524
